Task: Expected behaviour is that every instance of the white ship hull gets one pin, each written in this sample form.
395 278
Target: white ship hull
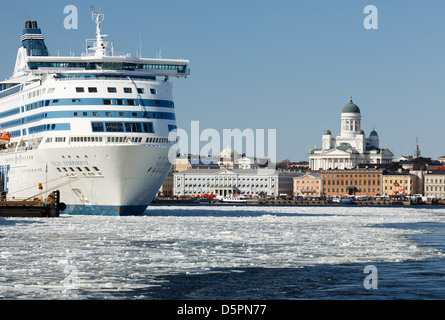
122 186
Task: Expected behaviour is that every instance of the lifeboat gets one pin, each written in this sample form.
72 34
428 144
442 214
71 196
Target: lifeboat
4 138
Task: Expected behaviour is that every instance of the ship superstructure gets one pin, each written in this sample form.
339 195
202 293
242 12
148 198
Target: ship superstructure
94 126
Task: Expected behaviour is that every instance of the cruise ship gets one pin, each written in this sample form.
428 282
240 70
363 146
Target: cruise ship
95 126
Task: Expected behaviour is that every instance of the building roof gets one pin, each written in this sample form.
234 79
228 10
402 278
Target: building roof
435 172
310 174
351 108
257 172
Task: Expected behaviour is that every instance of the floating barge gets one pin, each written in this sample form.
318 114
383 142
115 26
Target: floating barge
33 208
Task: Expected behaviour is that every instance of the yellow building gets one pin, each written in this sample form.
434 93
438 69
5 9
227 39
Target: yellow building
435 184
357 182
398 183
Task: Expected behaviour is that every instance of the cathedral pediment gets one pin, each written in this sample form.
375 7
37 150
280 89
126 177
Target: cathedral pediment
335 152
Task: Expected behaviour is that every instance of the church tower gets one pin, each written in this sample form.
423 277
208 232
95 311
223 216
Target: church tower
350 120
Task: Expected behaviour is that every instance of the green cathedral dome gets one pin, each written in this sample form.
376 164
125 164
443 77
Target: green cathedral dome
351 108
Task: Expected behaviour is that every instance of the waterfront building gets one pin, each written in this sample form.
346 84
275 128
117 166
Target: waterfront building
400 182
358 182
308 185
435 184
350 147
232 174
228 182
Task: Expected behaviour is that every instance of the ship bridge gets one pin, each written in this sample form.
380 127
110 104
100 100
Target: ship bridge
33 58
116 64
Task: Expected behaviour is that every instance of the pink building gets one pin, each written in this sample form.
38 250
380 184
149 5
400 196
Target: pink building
308 185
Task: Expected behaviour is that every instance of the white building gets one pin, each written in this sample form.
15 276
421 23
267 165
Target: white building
227 182
235 174
351 147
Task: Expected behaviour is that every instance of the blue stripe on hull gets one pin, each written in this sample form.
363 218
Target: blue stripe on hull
104 210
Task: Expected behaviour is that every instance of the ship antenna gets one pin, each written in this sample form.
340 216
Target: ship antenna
98 17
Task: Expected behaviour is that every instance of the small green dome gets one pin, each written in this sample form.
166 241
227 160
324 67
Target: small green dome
327 132
361 132
374 133
351 108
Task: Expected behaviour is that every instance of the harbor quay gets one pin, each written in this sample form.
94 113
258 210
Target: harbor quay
236 178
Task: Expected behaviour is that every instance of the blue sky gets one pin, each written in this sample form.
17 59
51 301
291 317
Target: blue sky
287 65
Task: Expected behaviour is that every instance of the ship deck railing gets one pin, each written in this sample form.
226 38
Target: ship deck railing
67 77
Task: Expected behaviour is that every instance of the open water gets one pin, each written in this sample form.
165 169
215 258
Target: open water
228 252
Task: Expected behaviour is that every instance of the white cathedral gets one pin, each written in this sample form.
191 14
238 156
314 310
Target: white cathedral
351 147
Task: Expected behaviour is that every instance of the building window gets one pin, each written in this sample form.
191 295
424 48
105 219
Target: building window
92 90
80 89
112 90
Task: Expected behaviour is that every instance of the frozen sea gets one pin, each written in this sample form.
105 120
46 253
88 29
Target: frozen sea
227 252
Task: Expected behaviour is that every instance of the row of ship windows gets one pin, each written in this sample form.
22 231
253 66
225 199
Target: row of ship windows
108 139
107 66
67 114
41 128
9 89
157 170
78 169
114 90
36 93
146 127
118 102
